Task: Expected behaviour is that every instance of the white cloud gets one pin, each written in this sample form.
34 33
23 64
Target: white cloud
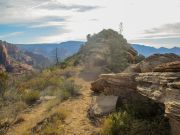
48 24
136 15
11 34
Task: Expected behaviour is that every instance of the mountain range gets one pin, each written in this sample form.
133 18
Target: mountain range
148 50
66 49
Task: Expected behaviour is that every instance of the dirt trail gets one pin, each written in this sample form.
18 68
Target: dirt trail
76 123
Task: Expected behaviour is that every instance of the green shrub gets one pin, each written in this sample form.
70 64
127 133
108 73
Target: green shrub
116 124
31 97
122 123
136 117
69 88
51 82
140 108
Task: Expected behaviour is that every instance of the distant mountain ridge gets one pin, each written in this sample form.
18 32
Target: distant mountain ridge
148 50
65 49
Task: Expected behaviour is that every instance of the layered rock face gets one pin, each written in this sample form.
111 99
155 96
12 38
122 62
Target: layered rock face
161 83
163 87
122 84
168 67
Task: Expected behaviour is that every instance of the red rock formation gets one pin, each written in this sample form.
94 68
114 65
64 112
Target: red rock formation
13 60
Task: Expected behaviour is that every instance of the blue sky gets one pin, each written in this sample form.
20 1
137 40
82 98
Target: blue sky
151 22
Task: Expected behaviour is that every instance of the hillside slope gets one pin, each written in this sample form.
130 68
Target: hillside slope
14 60
105 51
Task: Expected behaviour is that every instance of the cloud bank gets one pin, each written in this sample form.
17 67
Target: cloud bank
155 21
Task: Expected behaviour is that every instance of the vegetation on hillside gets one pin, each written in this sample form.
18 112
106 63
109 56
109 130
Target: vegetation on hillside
20 92
108 50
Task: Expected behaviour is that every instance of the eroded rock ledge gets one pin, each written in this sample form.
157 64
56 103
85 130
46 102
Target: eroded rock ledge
161 84
163 87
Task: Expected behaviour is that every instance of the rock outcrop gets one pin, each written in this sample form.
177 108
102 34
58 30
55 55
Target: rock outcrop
107 50
122 84
149 64
4 60
168 67
14 60
163 87
102 105
156 78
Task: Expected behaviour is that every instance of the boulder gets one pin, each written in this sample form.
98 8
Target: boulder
102 105
115 84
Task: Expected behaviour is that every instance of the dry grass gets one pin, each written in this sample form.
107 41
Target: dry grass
53 125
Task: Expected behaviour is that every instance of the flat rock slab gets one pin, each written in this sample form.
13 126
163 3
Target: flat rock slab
102 104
